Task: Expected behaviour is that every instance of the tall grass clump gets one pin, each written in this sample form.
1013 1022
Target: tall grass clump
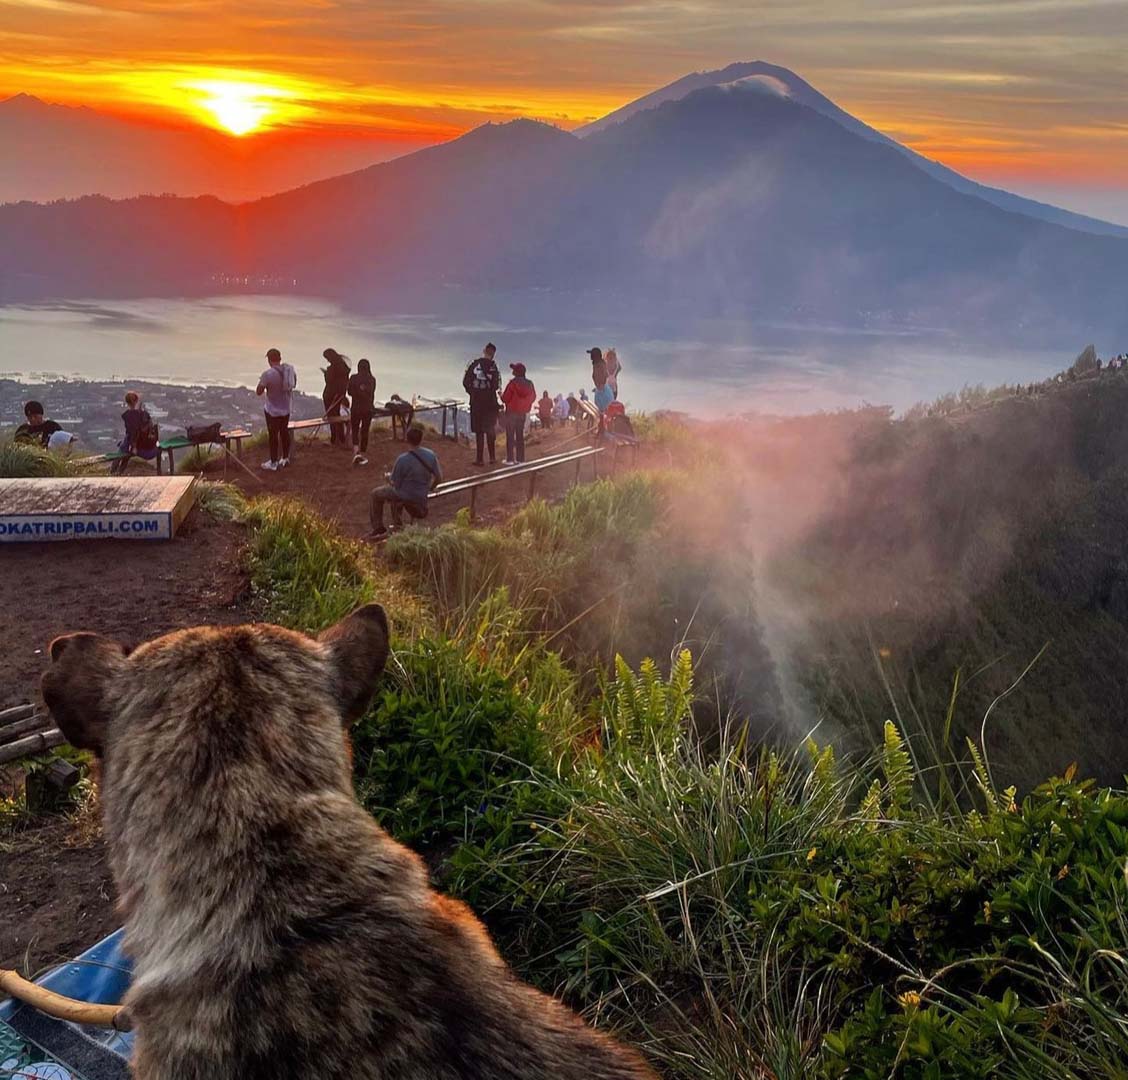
24 459
305 573
555 560
756 914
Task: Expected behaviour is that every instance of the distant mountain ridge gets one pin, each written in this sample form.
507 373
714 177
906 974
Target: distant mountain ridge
63 151
801 91
724 207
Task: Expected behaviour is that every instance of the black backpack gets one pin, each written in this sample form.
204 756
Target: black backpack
148 434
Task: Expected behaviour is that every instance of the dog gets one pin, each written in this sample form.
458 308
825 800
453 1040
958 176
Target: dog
276 930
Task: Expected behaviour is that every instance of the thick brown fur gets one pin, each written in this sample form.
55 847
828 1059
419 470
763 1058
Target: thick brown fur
276 930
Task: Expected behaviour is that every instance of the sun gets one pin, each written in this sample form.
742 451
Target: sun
237 111
239 108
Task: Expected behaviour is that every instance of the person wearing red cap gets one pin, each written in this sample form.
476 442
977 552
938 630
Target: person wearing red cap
519 396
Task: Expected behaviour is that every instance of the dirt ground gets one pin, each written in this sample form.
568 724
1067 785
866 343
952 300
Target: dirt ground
56 891
56 895
324 475
130 591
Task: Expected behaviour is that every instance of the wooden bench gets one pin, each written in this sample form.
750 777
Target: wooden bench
182 442
170 446
315 424
531 469
619 440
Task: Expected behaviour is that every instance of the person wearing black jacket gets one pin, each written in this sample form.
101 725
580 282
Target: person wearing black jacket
362 393
336 394
481 382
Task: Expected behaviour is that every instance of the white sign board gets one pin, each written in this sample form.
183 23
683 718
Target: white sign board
20 528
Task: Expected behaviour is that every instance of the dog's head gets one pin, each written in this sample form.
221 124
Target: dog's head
224 691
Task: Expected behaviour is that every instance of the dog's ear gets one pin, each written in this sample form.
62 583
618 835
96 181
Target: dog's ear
359 646
75 686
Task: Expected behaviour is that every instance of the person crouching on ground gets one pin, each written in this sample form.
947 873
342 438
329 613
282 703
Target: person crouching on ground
141 435
362 393
277 383
414 474
519 396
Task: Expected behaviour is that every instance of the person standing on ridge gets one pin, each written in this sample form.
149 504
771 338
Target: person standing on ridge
481 382
277 384
613 369
544 410
519 397
362 392
336 394
598 367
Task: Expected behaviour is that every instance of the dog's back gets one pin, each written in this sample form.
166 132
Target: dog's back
276 930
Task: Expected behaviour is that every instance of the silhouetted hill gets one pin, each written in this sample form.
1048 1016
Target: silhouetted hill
65 152
727 204
779 80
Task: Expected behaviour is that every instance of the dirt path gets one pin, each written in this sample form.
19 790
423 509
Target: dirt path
325 477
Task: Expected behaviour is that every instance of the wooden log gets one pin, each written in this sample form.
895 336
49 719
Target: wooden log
17 712
39 722
61 774
32 744
77 1012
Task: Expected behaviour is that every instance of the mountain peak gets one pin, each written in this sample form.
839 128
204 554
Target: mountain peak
521 131
23 101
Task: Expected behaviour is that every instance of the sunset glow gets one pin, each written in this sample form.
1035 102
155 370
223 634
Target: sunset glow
1028 89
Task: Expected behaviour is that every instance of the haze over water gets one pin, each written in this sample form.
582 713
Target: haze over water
222 340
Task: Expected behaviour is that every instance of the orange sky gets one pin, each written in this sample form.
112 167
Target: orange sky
1029 92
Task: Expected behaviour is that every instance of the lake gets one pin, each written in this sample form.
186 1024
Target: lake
222 340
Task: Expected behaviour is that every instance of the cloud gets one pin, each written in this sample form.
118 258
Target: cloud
967 79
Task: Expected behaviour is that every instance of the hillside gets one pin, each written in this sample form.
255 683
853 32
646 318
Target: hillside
659 841
66 152
725 205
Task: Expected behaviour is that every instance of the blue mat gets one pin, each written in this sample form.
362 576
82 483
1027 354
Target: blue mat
36 1046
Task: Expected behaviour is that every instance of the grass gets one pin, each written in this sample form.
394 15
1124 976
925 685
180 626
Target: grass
307 576
738 912
23 459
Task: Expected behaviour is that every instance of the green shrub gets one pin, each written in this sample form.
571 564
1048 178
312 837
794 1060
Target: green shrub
558 561
450 751
24 459
305 574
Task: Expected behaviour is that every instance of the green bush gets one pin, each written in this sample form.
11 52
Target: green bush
751 915
451 749
555 559
24 459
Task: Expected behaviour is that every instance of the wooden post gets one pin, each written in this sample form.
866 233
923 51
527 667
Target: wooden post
532 484
473 498
578 463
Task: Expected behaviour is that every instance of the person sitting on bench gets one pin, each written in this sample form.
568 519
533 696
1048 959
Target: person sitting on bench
413 476
142 436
